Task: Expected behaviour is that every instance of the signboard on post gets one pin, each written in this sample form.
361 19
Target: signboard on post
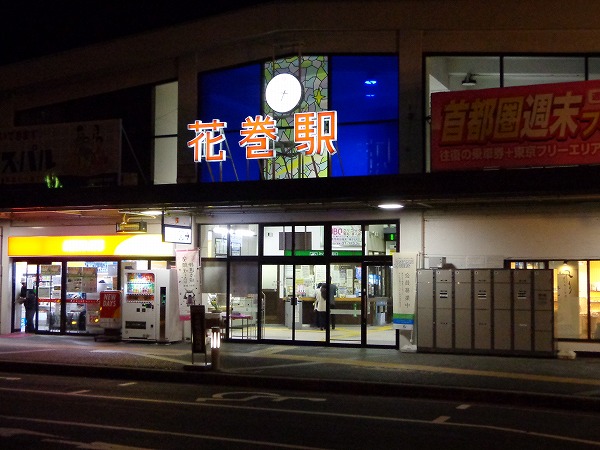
405 288
198 322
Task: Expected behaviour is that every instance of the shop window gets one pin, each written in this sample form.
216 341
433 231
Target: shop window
243 316
165 133
312 73
366 149
276 240
571 300
213 241
380 239
243 240
346 240
593 68
363 90
214 285
230 96
309 241
528 70
595 300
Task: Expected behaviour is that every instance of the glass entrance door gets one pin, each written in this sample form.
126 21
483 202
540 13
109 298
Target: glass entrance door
288 293
43 286
379 305
346 303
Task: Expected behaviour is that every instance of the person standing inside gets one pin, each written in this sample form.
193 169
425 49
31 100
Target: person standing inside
30 304
329 291
320 308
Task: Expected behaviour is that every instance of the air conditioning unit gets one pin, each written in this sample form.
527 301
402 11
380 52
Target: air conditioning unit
132 227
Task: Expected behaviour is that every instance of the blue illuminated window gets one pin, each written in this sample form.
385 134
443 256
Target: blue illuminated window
364 92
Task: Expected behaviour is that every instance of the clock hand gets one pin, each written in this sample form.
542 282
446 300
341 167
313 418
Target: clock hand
282 94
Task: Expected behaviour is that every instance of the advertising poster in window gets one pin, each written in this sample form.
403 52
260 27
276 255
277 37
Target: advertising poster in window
405 289
50 154
188 280
524 126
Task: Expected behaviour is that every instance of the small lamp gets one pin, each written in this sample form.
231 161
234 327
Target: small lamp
215 346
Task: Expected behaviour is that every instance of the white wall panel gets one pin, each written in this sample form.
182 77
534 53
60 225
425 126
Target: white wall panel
487 238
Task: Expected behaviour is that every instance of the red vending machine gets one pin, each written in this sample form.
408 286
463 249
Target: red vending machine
150 308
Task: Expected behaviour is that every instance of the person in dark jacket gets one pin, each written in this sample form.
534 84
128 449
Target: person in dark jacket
329 291
30 307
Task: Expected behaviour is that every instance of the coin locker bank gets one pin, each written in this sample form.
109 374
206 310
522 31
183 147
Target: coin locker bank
486 311
68 274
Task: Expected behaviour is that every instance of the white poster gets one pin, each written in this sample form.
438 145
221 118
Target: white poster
188 280
404 290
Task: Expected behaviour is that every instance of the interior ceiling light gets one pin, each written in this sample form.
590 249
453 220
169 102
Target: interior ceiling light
390 206
469 80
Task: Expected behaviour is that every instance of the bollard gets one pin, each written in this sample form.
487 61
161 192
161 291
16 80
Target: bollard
215 346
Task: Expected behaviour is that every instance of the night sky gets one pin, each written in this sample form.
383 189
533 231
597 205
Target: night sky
29 29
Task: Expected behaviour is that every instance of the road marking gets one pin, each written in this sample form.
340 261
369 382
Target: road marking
272 366
247 396
296 412
219 439
128 384
10 378
83 391
433 369
441 419
463 406
27 351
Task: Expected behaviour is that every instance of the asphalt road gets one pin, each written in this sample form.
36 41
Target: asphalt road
41 411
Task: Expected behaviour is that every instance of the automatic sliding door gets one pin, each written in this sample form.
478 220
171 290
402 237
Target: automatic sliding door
380 330
47 279
288 292
346 303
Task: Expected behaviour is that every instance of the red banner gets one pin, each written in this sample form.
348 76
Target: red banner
524 126
110 309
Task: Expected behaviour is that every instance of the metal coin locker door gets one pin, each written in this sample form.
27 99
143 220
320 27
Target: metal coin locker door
482 309
502 312
463 304
543 303
425 308
444 304
522 313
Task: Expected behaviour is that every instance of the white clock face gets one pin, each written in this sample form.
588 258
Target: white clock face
283 93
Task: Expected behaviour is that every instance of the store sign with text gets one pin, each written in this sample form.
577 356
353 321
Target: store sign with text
524 126
314 134
30 154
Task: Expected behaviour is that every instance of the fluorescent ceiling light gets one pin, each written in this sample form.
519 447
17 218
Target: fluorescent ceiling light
390 206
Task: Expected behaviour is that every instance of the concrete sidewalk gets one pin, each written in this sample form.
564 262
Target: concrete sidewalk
573 384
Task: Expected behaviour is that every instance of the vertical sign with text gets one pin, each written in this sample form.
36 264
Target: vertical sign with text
404 292
188 280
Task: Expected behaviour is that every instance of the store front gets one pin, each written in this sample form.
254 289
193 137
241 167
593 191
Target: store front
66 275
576 296
266 278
